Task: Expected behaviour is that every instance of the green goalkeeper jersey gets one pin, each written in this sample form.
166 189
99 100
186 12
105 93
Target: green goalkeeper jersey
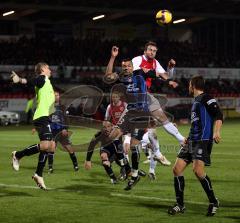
45 98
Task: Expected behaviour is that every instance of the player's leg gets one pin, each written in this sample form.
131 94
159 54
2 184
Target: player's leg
107 165
156 148
50 157
152 166
167 125
145 147
46 145
121 160
158 113
201 157
198 169
135 165
179 184
72 155
17 155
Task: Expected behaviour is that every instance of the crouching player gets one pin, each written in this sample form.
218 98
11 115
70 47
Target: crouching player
108 149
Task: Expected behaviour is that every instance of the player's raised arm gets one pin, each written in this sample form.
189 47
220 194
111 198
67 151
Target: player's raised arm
109 76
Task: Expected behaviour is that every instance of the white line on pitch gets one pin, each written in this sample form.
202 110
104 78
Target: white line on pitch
37 188
152 198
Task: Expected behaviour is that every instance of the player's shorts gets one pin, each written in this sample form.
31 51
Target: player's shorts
197 150
112 148
58 137
138 134
132 120
43 128
153 103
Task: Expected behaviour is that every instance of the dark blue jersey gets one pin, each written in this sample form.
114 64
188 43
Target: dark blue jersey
205 111
135 91
57 119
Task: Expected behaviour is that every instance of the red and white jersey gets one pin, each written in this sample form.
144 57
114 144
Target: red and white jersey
140 62
114 112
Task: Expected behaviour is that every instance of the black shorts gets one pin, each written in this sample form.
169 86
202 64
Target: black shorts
132 120
58 137
197 150
138 134
43 127
112 149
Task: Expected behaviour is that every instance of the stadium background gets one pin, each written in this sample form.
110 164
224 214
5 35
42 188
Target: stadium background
63 34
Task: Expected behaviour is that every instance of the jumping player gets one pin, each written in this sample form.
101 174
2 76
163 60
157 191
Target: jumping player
45 107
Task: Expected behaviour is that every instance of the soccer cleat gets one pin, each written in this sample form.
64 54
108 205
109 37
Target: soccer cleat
142 173
152 176
163 160
39 181
212 208
50 170
15 161
123 175
146 161
114 180
176 209
132 183
76 168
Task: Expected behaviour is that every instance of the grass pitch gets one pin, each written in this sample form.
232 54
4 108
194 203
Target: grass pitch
88 196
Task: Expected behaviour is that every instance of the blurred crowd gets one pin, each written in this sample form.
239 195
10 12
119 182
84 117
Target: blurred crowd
95 52
216 87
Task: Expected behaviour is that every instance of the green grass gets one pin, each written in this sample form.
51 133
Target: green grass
88 196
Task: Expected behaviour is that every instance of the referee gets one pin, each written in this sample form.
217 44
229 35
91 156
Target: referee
45 107
197 149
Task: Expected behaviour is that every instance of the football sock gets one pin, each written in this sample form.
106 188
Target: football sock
31 150
135 158
171 129
207 186
41 162
50 160
179 189
74 159
108 169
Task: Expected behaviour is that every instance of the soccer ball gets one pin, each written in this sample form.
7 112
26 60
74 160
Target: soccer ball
163 17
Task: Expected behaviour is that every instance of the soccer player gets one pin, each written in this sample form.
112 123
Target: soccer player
205 114
138 100
108 149
116 108
147 62
60 134
133 88
45 107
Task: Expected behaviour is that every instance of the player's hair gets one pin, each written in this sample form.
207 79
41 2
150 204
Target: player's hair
39 66
198 82
149 43
126 60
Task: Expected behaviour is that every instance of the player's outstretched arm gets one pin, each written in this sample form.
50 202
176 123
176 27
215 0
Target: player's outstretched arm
16 79
109 76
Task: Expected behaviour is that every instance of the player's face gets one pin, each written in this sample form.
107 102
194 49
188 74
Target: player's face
115 98
190 89
46 70
127 67
107 127
150 52
57 97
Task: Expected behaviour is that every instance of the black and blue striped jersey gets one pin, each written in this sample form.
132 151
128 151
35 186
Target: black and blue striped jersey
57 119
204 112
135 91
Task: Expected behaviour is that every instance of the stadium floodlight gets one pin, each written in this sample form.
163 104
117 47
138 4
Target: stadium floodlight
98 17
179 21
8 13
